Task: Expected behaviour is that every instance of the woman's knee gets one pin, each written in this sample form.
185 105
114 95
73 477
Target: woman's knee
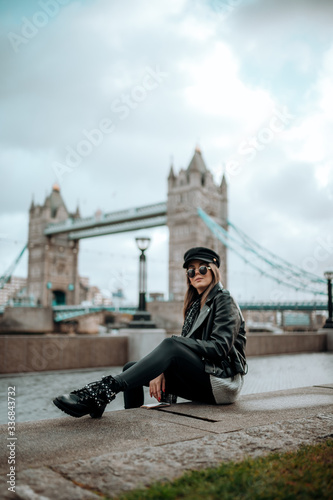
171 345
168 343
128 365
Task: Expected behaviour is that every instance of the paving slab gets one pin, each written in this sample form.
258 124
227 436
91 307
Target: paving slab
255 409
62 440
45 484
327 386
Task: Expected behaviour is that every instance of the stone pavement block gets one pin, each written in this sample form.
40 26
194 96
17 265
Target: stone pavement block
114 473
255 409
45 484
275 401
47 442
328 386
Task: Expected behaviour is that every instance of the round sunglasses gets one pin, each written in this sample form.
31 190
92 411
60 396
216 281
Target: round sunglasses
202 270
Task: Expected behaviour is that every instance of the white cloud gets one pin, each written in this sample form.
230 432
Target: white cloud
217 89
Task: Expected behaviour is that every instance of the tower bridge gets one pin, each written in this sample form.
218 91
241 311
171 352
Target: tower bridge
196 214
54 232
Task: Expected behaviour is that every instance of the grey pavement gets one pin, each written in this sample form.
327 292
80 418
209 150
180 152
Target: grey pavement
84 458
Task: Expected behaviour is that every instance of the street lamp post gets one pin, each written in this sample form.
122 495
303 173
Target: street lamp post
143 244
141 317
329 322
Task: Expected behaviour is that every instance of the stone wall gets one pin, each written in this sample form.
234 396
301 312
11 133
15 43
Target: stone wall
29 353
27 319
260 344
167 315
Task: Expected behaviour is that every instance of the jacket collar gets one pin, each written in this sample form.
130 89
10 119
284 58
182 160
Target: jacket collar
206 309
217 288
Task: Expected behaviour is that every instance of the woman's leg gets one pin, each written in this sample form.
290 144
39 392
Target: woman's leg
190 382
183 369
133 398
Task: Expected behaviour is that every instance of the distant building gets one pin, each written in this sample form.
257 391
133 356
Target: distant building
53 261
14 286
98 298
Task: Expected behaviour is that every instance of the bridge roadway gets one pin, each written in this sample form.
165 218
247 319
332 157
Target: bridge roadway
121 221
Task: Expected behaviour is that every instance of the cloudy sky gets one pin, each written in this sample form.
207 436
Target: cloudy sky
249 81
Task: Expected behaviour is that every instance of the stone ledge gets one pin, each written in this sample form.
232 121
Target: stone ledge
115 473
79 458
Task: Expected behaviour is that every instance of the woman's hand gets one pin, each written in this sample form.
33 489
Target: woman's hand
156 386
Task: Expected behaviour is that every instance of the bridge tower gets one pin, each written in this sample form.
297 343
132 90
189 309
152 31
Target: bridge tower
192 188
53 260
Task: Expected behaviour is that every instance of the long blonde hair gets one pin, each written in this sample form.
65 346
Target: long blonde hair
192 294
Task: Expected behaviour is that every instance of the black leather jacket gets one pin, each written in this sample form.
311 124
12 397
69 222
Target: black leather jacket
218 335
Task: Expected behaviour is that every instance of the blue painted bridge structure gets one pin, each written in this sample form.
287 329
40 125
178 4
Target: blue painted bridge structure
67 313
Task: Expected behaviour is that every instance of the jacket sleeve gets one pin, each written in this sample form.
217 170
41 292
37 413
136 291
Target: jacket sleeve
225 326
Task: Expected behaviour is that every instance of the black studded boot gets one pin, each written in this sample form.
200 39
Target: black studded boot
91 399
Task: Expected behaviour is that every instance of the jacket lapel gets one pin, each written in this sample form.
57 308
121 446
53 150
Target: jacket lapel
200 319
205 310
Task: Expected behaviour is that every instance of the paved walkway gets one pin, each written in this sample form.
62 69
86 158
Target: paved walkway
266 373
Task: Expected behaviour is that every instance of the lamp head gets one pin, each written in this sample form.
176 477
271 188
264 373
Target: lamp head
328 275
142 243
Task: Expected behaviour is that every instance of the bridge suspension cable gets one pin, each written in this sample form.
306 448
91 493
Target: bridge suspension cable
295 270
8 274
303 281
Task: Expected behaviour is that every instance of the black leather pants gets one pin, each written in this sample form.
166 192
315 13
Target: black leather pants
183 369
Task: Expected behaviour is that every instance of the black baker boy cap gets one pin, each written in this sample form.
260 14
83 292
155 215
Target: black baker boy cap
201 253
